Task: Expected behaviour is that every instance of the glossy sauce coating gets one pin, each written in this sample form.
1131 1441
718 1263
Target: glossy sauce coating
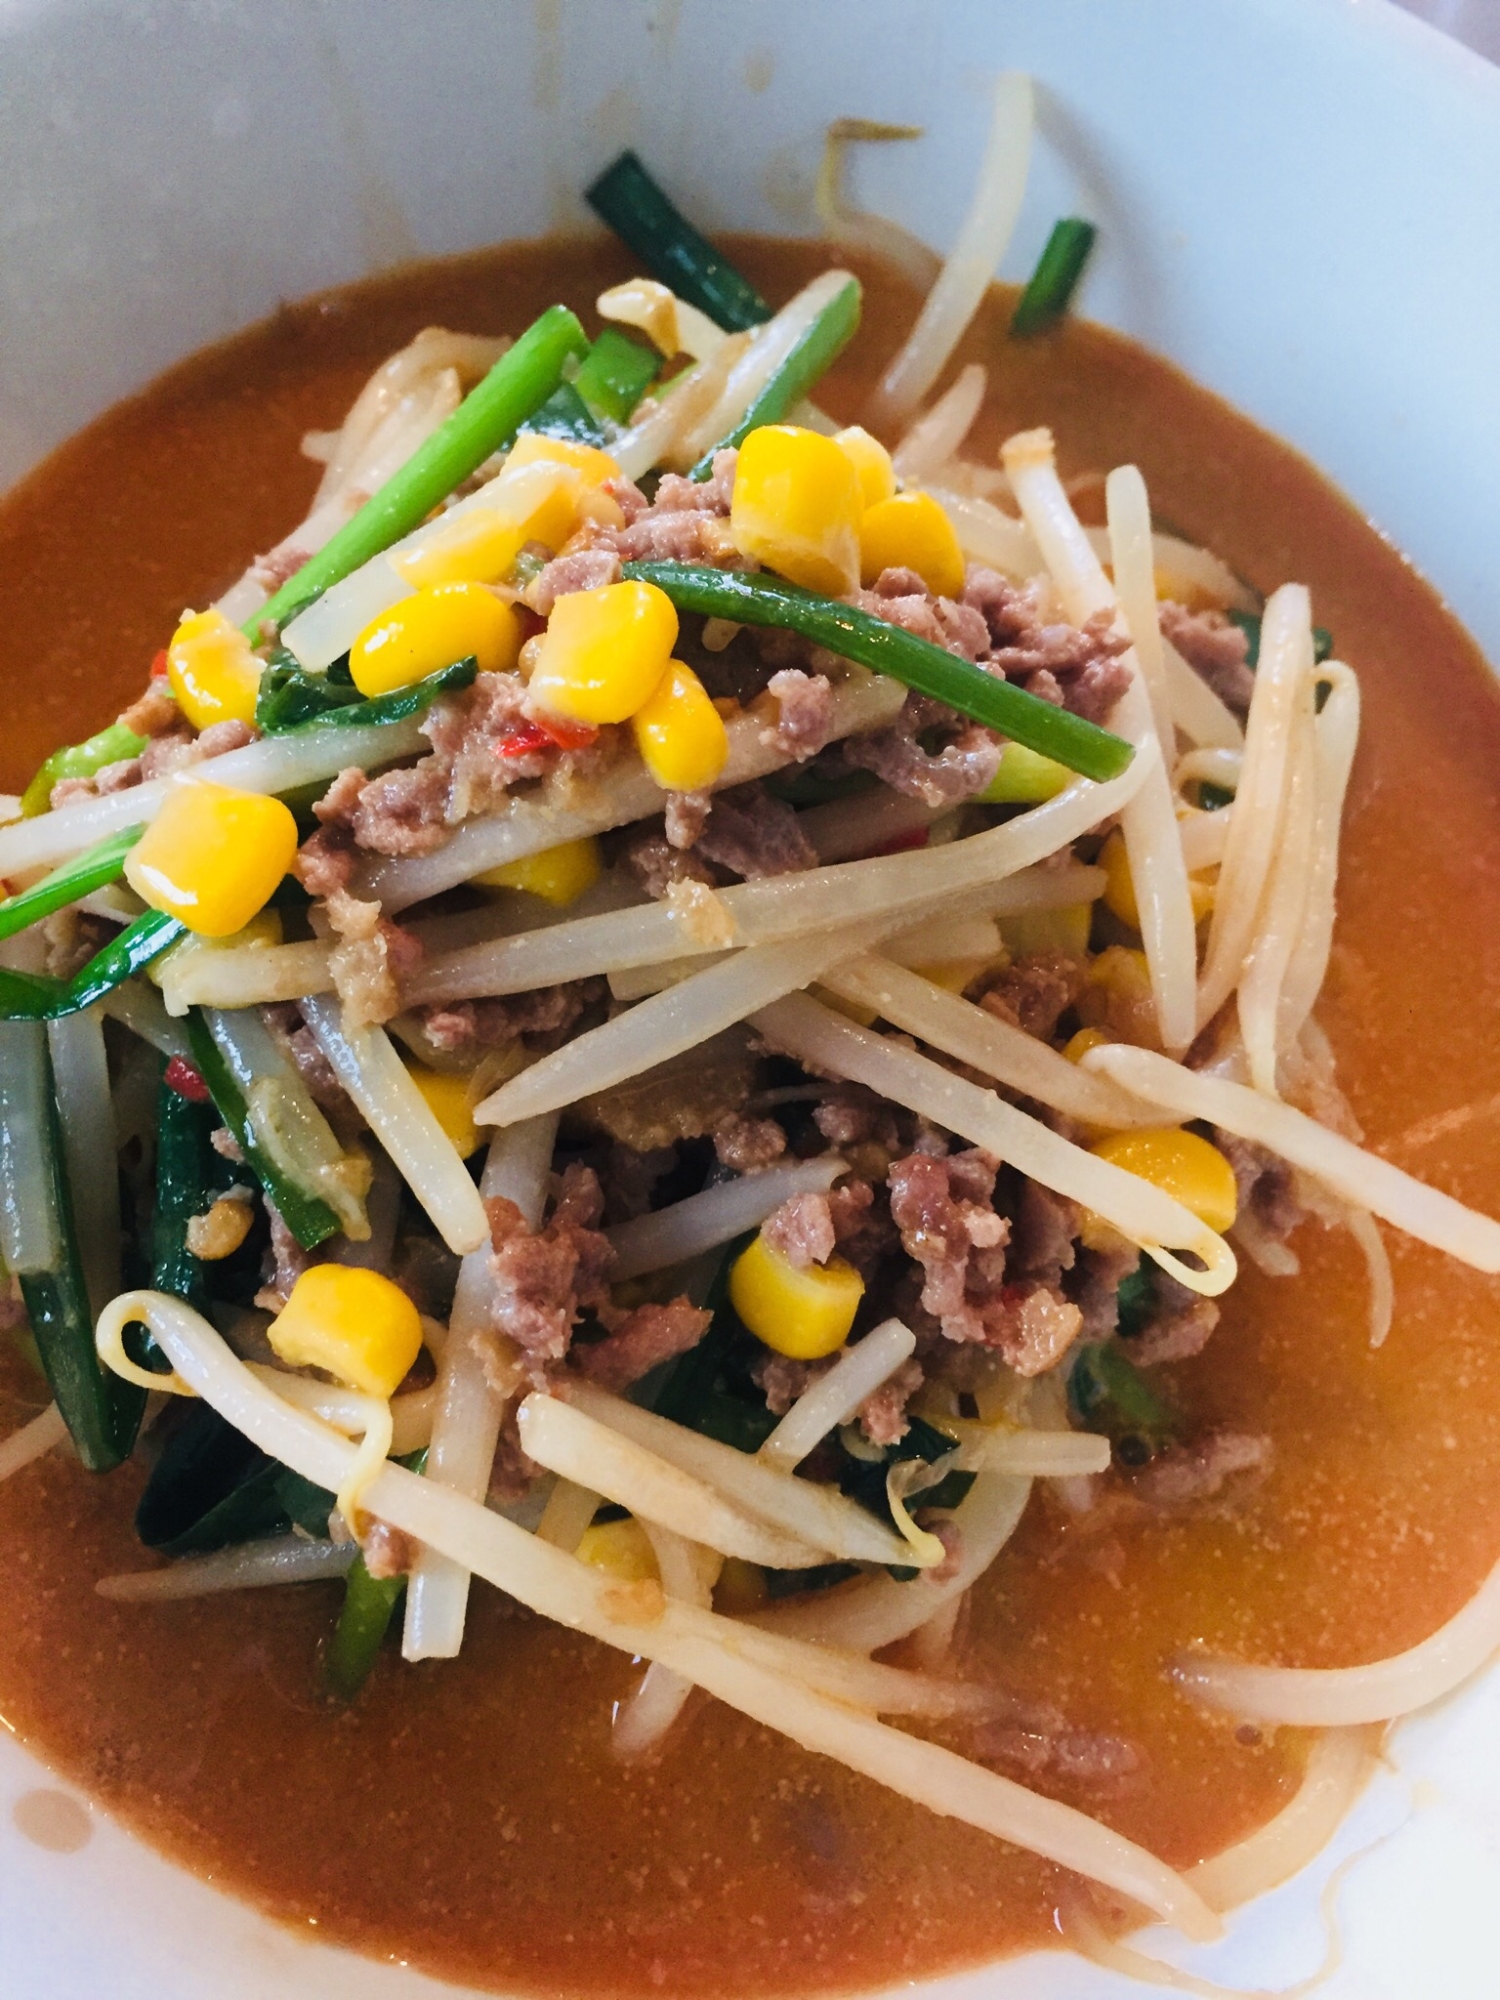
467 1817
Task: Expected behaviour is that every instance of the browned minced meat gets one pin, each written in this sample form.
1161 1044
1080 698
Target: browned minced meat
642 1341
584 569
387 1551
882 1415
226 1145
455 1025
1215 649
176 749
1035 992
852 1115
1177 1335
370 959
804 713
754 835
1078 667
154 712
412 810
1263 1184
801 1230
173 748
1189 1473
1095 1287
658 864
748 1144
901 598
1041 1235
1036 1741
781 1380
545 1278
684 523
944 1211
684 818
947 776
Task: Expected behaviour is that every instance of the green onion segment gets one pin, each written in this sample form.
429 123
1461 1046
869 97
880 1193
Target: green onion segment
1050 291
648 222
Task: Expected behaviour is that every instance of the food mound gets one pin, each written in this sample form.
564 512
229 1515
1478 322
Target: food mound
688 1004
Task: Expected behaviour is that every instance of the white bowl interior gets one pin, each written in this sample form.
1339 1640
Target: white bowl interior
1296 200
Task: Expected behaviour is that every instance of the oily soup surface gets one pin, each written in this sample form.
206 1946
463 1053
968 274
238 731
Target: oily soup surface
467 1816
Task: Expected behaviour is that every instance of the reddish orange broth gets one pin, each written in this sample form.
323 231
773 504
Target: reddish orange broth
467 1817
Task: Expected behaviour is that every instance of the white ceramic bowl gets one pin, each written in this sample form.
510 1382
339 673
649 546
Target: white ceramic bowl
1298 201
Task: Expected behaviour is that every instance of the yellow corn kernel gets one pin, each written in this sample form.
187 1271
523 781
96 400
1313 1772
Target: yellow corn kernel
424 633
741 1588
621 1549
797 507
1182 1165
604 652
212 670
680 734
446 1094
530 448
1065 930
1202 896
559 875
1119 885
1025 778
804 1314
1086 1039
911 531
871 462
353 1324
212 857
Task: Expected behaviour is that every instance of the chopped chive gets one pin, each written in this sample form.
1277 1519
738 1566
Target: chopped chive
31 996
565 415
522 379
182 1191
615 374
628 200
887 649
76 878
364 1619
1049 294
814 354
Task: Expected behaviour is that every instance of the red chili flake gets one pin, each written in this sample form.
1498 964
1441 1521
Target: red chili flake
553 734
159 666
523 741
186 1081
900 843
